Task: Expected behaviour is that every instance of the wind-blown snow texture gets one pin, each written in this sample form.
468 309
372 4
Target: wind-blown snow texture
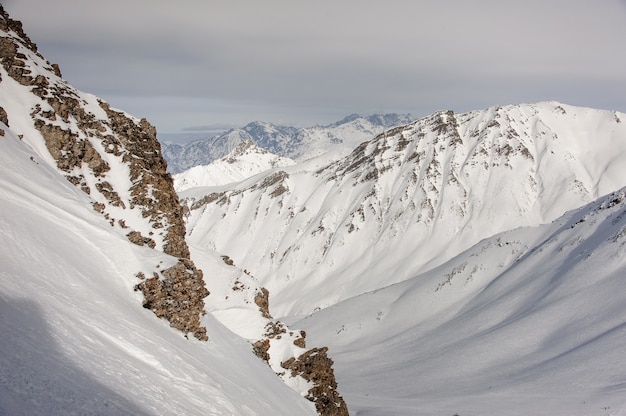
75 338
299 144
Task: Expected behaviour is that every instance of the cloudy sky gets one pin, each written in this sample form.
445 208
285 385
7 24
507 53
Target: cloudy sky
198 64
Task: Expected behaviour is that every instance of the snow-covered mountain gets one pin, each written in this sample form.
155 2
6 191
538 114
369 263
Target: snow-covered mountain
436 262
459 264
531 321
75 339
111 156
246 160
93 240
294 143
409 199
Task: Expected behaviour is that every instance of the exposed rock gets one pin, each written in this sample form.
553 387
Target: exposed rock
315 366
85 142
135 237
261 348
274 329
300 341
228 260
3 116
262 299
178 296
106 189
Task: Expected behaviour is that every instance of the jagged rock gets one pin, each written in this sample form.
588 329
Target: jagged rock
178 296
3 116
85 142
300 341
274 329
135 237
106 189
262 300
228 260
261 348
315 366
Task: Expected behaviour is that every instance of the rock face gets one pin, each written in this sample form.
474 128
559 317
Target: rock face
315 366
310 371
113 157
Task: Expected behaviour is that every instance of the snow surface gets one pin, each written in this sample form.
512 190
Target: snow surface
531 321
408 201
244 161
75 337
485 300
426 262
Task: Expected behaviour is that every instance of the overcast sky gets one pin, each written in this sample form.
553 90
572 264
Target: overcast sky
193 63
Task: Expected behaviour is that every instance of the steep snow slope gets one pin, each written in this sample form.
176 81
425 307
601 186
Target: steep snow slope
75 338
112 163
409 199
531 321
111 156
337 139
244 161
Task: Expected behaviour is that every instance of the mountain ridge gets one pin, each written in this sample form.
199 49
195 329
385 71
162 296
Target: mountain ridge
244 161
113 157
115 163
287 141
462 263
435 176
527 319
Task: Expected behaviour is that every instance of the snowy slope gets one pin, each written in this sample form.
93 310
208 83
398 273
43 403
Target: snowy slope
409 199
112 157
244 161
299 144
75 338
81 182
530 321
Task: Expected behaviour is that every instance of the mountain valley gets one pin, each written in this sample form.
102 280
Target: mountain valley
456 264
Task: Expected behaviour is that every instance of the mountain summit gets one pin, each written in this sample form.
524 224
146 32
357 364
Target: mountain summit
294 143
410 198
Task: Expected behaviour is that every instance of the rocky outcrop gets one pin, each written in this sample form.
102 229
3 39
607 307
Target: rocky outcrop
3 116
117 160
262 301
311 373
178 297
315 366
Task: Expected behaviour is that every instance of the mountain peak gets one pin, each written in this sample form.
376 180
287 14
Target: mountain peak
447 172
299 144
347 119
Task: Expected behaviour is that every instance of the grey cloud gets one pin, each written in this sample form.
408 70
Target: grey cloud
202 62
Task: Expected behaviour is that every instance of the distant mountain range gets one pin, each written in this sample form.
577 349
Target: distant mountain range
291 142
